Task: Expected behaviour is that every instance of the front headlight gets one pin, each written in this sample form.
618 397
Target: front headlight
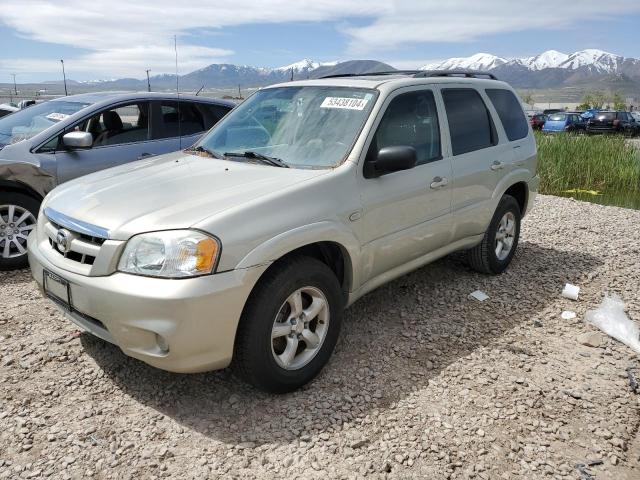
170 254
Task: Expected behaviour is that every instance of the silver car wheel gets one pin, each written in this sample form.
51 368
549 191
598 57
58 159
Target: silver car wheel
505 235
16 223
300 327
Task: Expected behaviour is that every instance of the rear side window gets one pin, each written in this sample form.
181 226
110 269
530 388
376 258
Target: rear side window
212 113
510 113
187 118
411 119
469 120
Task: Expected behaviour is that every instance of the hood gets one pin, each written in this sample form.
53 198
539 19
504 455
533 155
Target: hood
168 192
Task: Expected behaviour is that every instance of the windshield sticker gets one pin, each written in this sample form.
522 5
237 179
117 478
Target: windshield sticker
56 116
343 102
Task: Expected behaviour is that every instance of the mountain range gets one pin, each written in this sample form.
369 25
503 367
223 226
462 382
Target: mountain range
548 70
553 69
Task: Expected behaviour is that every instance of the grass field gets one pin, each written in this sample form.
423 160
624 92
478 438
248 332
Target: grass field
603 165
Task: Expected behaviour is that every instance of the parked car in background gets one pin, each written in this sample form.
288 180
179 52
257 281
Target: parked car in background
564 122
247 247
636 117
549 111
6 109
537 121
613 122
50 143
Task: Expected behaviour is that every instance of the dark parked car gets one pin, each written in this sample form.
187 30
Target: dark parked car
50 143
613 122
537 121
569 122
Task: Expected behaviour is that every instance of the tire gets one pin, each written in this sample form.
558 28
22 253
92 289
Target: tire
260 358
484 257
23 211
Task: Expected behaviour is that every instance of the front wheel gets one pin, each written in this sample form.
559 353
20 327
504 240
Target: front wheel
289 326
18 214
493 255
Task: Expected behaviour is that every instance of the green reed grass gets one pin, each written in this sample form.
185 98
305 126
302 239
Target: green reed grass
605 163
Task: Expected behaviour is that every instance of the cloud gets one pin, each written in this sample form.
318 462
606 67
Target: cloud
435 21
123 62
123 38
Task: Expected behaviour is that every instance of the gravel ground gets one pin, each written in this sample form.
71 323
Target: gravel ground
425 382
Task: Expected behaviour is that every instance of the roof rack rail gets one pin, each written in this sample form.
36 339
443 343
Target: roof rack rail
420 74
372 74
455 73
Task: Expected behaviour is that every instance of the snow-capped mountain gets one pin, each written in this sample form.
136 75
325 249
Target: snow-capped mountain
479 61
595 60
304 65
548 59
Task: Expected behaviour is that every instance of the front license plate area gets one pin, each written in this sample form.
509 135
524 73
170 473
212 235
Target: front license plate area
57 289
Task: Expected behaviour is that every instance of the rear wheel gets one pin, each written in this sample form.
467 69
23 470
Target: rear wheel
500 241
18 214
289 326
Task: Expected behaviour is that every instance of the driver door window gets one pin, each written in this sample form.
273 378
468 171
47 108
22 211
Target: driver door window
411 120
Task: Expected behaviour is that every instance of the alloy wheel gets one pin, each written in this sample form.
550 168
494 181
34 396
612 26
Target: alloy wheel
505 235
300 328
16 223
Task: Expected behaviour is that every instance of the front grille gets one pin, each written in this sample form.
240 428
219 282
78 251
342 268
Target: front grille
82 248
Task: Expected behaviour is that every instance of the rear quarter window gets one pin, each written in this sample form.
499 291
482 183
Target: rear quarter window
470 123
510 113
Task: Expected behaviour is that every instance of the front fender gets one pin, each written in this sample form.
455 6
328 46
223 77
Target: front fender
28 175
325 231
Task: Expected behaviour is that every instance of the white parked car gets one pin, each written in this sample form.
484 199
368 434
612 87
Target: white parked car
245 249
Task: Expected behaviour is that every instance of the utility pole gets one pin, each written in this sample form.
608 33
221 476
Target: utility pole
291 75
148 82
64 77
239 93
15 88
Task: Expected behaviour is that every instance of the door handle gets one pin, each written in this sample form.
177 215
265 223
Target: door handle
145 155
438 182
497 165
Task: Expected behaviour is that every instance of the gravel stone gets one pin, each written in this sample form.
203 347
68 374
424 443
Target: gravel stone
424 382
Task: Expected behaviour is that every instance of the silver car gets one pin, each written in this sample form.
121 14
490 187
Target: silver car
245 249
50 143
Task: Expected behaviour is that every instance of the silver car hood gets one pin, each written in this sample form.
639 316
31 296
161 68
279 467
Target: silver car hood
168 192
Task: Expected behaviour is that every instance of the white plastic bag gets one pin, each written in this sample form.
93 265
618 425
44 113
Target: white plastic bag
611 319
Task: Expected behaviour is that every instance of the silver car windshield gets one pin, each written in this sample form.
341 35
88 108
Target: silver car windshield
310 126
32 120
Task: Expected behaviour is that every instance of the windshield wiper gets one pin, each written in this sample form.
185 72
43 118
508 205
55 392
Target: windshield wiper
276 162
201 149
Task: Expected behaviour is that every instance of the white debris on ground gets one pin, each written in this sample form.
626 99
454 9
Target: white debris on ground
424 383
479 295
612 320
571 291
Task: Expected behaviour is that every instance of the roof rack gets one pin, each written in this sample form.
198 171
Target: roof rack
421 74
372 74
455 73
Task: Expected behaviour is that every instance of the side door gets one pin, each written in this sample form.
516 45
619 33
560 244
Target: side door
406 214
178 125
480 158
120 135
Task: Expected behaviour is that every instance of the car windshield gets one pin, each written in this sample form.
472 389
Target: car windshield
33 120
309 126
605 116
557 117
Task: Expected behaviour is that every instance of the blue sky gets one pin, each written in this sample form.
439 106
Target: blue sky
116 38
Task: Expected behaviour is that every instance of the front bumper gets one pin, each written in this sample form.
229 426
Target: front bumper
196 317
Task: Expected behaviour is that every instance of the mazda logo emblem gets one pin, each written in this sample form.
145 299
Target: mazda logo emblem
63 240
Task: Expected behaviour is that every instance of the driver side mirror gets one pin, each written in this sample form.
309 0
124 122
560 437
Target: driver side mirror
77 140
391 159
